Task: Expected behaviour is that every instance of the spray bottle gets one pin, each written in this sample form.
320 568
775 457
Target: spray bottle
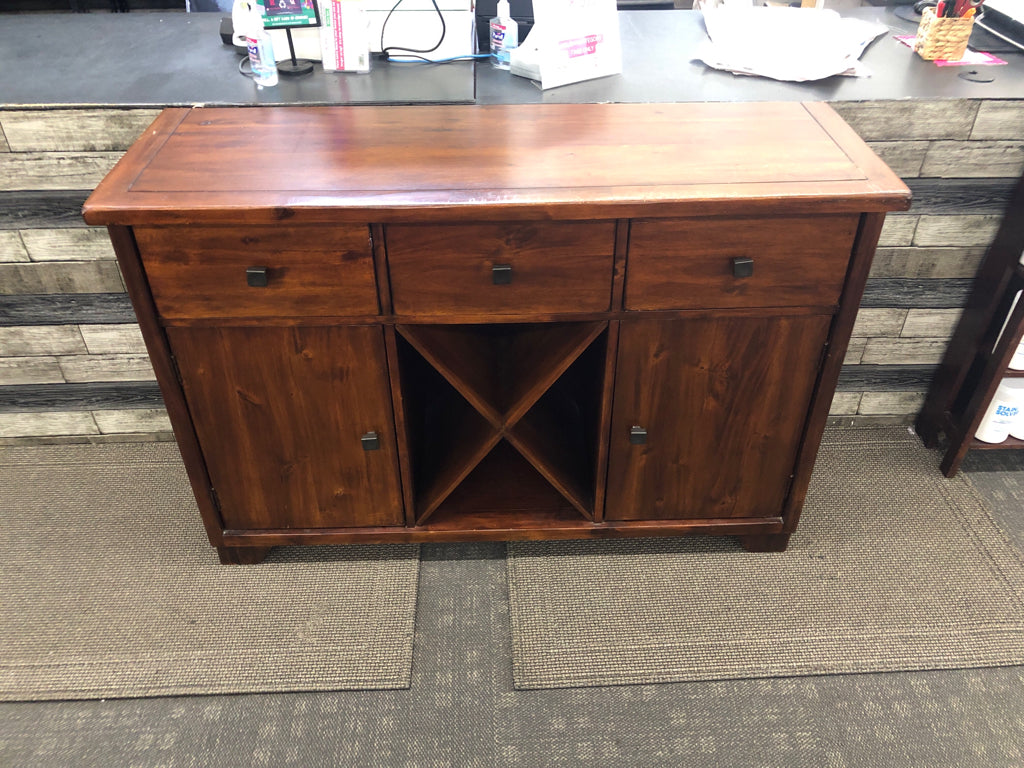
504 36
261 49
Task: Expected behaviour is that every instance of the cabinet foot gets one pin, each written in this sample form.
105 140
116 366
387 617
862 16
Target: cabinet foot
766 542
242 555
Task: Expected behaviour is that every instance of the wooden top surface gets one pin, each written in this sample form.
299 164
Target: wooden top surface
482 162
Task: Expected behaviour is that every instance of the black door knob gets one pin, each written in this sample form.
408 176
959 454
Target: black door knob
370 441
637 436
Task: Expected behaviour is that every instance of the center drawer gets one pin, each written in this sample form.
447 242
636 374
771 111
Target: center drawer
504 268
764 261
259 272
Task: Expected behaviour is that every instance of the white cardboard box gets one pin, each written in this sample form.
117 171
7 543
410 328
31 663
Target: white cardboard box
344 36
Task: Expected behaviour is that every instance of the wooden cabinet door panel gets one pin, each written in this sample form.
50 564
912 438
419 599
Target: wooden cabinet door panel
280 413
724 401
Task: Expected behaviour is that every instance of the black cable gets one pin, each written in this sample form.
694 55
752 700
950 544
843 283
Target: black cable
385 51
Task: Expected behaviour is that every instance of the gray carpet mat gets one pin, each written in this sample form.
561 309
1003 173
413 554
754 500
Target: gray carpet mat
110 589
892 568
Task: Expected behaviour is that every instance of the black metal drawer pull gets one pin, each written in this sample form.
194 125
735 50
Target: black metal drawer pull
256 276
742 266
501 274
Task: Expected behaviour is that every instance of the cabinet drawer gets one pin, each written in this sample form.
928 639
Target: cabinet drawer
695 263
501 269
201 272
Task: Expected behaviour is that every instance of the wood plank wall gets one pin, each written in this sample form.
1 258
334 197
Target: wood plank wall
73 367
961 159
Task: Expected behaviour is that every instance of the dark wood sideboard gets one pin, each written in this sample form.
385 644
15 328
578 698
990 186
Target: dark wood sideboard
460 323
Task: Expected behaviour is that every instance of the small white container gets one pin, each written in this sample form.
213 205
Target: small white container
1017 428
1017 361
1004 412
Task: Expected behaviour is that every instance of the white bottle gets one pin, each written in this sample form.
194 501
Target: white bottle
1003 414
504 36
261 50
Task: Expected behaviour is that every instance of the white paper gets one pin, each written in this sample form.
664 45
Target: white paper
793 44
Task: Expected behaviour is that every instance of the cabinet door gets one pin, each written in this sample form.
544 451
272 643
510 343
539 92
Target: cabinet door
280 413
723 402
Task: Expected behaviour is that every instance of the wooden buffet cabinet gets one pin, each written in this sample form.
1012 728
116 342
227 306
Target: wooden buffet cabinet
377 324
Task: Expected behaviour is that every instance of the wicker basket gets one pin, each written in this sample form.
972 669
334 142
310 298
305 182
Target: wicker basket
942 38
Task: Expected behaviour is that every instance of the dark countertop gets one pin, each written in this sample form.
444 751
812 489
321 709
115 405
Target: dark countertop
165 59
657 67
178 59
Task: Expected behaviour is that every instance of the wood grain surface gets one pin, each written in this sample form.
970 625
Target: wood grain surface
687 263
554 265
280 413
544 160
724 402
201 272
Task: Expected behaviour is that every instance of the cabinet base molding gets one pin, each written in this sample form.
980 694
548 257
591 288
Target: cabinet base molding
584 529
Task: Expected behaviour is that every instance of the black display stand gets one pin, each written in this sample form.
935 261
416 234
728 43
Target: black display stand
293 67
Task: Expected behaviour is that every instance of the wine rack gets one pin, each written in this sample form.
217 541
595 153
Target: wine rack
495 403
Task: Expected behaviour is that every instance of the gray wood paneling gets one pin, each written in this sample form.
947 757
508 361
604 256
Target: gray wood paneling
933 323
143 420
898 229
91 244
927 262
30 209
909 120
999 120
83 368
113 339
879 322
854 351
12 249
891 403
956 230
844 403
904 157
29 370
974 159
59 309
957 196
51 171
74 130
881 351
60 277
928 294
49 423
80 397
27 341
889 378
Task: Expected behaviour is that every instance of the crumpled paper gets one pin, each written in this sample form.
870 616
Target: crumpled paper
793 44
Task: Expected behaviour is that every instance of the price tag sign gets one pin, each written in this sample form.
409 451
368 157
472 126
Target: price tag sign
579 40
